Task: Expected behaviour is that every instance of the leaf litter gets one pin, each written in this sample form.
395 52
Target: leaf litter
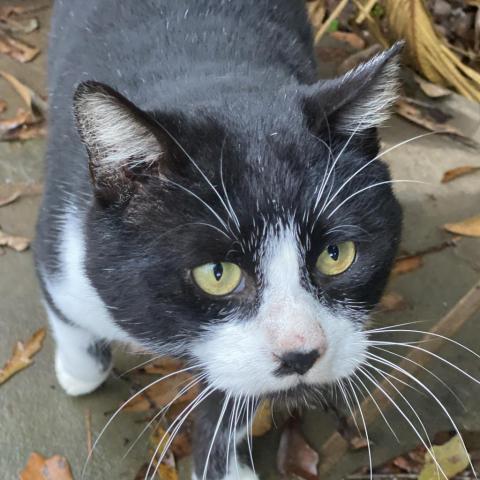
469 227
22 355
15 242
41 468
457 172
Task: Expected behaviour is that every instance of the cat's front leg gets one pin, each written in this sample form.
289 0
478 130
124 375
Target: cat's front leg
215 441
82 360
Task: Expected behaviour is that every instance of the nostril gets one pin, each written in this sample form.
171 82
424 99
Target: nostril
297 362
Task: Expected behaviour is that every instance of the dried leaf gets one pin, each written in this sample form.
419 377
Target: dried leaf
17 49
163 366
430 89
358 443
454 173
19 26
10 198
25 132
393 302
33 100
163 393
262 422
470 227
406 109
42 468
21 118
19 244
407 264
295 456
3 105
167 469
451 456
404 464
22 355
181 445
354 40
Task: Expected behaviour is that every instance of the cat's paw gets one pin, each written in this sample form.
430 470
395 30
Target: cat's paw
75 386
240 473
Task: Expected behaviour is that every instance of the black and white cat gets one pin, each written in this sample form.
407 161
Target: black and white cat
207 197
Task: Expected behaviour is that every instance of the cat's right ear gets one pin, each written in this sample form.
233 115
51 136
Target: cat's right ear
123 142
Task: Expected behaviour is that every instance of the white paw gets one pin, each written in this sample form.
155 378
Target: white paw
242 473
75 386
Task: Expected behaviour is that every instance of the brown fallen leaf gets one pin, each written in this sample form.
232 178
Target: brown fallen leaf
167 469
14 196
19 244
33 100
392 302
181 445
423 117
295 456
430 89
21 118
17 49
3 105
407 264
358 443
22 355
454 173
162 393
11 25
25 132
163 366
354 40
470 227
42 468
451 456
262 421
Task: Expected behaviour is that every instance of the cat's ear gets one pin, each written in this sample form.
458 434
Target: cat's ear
122 141
358 100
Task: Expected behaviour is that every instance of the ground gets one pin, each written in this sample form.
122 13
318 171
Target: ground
37 416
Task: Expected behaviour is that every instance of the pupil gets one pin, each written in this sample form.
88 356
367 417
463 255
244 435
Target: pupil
333 252
218 271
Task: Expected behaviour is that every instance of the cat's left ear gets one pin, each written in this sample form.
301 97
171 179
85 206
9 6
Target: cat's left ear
358 100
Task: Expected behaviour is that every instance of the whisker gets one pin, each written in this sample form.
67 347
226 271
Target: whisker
232 211
220 418
434 375
363 167
377 385
360 411
434 397
95 443
378 184
164 409
176 425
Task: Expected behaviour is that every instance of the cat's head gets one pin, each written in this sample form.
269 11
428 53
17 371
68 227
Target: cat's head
251 234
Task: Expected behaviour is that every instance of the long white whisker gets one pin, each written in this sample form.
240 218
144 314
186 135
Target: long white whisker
434 397
372 380
232 211
369 163
378 407
165 408
176 425
220 418
360 411
434 375
250 414
95 443
378 184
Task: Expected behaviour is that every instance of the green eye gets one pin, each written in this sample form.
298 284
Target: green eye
336 258
217 278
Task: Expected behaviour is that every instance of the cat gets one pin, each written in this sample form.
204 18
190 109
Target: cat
207 197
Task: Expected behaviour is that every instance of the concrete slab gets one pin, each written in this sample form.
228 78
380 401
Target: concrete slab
36 416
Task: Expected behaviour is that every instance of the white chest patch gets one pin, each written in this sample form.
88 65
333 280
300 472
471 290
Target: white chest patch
73 292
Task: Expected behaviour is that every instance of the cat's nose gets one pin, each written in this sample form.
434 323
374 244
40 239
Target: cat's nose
297 362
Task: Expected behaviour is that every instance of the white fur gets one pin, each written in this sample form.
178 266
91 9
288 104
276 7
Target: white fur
242 354
242 473
77 372
112 133
72 291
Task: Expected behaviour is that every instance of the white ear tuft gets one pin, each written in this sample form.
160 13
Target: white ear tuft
117 134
